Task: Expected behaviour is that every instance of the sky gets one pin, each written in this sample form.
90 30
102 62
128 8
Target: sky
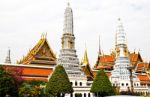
23 21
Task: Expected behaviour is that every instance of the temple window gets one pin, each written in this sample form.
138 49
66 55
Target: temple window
89 95
80 83
71 95
122 84
76 83
113 84
84 94
134 84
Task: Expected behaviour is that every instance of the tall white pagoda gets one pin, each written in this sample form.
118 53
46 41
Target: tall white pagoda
121 74
68 58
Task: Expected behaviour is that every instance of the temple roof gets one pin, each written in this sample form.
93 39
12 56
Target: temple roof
86 66
108 60
135 58
144 79
31 72
142 67
40 54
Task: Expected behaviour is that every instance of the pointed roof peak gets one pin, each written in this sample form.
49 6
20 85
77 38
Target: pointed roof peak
99 53
68 4
41 49
85 59
120 22
8 59
68 20
44 35
119 19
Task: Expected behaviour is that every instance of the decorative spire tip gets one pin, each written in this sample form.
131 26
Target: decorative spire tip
68 4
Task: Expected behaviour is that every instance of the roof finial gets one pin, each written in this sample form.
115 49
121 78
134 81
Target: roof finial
8 59
85 59
68 3
46 35
99 46
119 19
42 35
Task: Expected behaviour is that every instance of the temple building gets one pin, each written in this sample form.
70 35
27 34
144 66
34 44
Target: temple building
38 64
69 60
40 55
126 70
85 67
118 63
120 75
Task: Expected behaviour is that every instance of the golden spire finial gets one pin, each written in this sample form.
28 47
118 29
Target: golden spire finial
85 59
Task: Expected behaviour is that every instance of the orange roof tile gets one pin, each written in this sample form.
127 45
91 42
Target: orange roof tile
145 82
135 57
102 67
143 78
39 79
36 71
107 58
32 73
41 50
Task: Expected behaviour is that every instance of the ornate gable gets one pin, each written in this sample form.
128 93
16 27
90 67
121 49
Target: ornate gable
86 67
41 54
135 58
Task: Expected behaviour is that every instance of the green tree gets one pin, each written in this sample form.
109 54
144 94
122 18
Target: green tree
31 89
7 84
59 83
101 85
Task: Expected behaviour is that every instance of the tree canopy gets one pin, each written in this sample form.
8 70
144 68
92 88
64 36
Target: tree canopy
31 89
101 85
59 83
7 84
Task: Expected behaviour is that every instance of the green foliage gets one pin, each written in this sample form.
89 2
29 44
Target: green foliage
59 82
31 89
101 85
7 84
35 83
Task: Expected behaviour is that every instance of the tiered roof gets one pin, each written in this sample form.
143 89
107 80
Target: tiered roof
31 72
86 67
135 58
107 61
144 79
142 67
38 64
41 54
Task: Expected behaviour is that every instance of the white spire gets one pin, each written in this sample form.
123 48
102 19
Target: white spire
8 59
68 20
99 47
120 36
